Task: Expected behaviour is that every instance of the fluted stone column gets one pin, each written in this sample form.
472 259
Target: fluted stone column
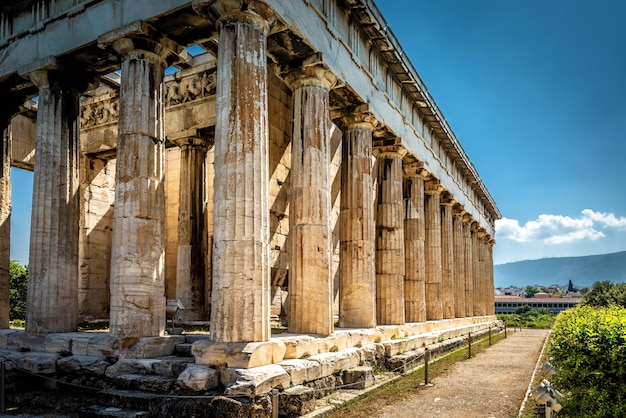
434 297
414 238
390 240
190 269
357 273
476 265
447 259
138 249
482 272
240 294
310 284
5 221
459 263
469 265
489 266
52 301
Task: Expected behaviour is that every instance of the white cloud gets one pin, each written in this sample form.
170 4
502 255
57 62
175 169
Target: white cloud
558 229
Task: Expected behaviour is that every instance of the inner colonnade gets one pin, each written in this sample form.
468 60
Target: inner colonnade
242 176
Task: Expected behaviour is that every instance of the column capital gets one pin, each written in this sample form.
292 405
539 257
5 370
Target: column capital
141 39
390 151
415 169
447 199
433 187
315 74
222 11
467 219
459 210
192 137
48 71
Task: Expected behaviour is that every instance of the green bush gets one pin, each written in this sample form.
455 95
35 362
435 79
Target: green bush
17 295
588 349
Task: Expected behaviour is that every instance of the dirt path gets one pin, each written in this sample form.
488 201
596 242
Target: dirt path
491 384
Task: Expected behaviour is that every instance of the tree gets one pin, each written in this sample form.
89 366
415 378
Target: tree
17 297
605 293
530 291
524 309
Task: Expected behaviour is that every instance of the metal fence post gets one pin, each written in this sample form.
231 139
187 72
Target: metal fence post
274 403
469 345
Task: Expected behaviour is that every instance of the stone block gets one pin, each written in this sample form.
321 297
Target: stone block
238 355
131 366
358 378
89 364
299 346
94 344
339 361
40 363
224 407
4 337
301 371
296 401
198 378
159 384
58 343
151 347
23 341
394 347
405 361
373 355
255 381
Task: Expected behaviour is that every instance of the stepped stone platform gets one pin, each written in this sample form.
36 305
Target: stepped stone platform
154 375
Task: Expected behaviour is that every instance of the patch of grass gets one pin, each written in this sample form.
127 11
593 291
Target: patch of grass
405 387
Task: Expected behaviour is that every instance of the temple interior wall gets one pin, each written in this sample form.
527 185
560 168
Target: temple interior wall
97 191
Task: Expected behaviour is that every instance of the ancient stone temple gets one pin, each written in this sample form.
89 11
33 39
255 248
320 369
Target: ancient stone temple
257 161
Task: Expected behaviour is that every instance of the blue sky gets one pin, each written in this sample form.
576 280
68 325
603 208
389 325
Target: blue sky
535 91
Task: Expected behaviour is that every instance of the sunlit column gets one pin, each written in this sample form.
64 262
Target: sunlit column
310 284
357 273
52 301
240 294
390 239
469 264
432 204
459 263
414 237
447 257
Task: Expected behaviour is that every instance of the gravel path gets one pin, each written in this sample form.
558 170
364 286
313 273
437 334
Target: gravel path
491 384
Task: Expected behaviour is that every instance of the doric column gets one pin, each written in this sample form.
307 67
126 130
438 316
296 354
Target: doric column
447 257
432 204
190 268
489 267
5 220
469 264
52 301
414 238
357 273
138 249
390 239
476 265
240 294
482 272
459 262
310 284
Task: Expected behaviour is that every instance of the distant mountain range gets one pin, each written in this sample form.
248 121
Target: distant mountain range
582 271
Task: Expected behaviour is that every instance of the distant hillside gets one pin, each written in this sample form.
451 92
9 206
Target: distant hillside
583 271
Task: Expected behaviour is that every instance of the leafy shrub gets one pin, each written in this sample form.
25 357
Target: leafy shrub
588 349
17 296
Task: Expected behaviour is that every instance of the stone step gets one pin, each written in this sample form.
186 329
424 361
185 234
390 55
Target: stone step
157 405
148 383
111 411
170 366
183 350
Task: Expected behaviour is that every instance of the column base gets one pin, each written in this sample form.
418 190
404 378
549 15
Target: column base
238 355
